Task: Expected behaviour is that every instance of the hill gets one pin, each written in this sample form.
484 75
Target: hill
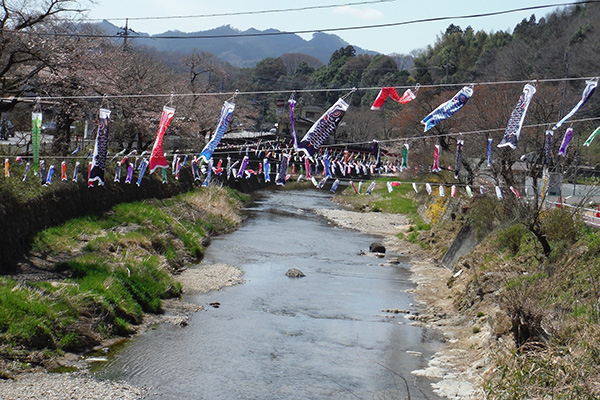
238 49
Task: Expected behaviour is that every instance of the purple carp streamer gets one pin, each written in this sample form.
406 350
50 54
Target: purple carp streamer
447 109
292 103
548 146
26 171
323 128
322 183
565 142
130 169
515 122
43 173
245 161
590 87
282 173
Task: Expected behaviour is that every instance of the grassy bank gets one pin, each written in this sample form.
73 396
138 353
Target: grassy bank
28 207
528 292
400 201
115 268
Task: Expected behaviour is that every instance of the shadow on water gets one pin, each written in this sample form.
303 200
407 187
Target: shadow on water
319 337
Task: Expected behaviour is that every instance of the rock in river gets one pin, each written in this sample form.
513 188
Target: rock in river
294 273
377 247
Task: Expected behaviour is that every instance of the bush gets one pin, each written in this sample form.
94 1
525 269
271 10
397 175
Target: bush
511 237
560 225
485 214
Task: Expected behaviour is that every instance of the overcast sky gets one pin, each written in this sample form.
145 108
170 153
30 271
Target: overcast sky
397 39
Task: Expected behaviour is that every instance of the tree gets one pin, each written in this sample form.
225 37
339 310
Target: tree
23 52
73 72
267 72
293 61
204 68
138 77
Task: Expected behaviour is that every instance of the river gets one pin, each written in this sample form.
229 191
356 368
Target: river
323 336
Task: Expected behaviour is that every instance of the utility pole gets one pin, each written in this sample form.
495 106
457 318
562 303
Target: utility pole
126 34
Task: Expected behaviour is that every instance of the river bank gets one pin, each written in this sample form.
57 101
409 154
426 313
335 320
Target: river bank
460 363
451 366
94 281
41 385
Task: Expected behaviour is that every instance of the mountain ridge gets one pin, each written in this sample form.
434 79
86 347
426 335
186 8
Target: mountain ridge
231 46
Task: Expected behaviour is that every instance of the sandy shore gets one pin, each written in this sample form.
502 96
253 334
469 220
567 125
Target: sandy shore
459 364
81 385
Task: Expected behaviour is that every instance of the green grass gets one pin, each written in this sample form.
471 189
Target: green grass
117 267
400 201
33 316
44 316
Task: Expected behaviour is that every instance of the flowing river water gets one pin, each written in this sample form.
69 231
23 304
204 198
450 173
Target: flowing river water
323 336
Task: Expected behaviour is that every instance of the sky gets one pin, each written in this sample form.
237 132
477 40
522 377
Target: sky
387 40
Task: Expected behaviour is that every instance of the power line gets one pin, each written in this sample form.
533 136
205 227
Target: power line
282 10
284 91
278 33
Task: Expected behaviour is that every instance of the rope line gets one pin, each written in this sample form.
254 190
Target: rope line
282 91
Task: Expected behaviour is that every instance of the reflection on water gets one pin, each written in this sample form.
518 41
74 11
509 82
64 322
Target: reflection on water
318 337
